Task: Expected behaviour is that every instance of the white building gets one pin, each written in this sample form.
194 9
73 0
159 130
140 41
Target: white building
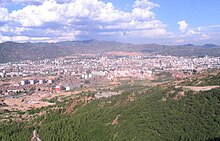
50 81
32 82
24 82
41 81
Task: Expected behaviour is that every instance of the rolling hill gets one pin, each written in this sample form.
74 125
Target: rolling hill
13 52
163 112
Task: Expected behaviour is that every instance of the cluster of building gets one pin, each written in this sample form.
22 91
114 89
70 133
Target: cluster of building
110 66
35 81
72 72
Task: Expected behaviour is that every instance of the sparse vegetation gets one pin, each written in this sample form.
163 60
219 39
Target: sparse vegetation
207 80
163 76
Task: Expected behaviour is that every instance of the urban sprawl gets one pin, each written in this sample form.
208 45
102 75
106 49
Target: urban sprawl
29 82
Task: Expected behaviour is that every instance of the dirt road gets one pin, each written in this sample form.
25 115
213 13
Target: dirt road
204 88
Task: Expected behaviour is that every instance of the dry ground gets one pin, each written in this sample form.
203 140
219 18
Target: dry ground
196 88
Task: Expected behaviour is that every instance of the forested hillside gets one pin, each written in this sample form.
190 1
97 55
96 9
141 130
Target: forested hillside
139 114
210 79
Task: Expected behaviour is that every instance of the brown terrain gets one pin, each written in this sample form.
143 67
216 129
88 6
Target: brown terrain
125 53
196 88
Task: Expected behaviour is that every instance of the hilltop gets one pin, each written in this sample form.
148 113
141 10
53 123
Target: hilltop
166 111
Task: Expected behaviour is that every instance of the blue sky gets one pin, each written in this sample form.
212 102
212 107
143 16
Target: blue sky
196 12
135 21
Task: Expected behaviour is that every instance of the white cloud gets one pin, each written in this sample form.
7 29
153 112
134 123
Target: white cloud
205 37
12 30
3 14
137 25
32 15
144 4
192 32
182 25
179 41
198 35
142 14
78 19
153 33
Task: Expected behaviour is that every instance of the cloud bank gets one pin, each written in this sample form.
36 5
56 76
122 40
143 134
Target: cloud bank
59 20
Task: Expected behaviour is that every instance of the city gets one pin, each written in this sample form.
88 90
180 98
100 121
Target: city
24 84
109 70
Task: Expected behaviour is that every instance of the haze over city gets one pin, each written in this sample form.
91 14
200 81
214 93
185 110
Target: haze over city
142 21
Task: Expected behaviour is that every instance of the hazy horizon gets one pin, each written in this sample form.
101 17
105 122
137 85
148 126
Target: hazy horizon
123 42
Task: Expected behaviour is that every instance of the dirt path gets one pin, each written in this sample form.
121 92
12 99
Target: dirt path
70 108
204 88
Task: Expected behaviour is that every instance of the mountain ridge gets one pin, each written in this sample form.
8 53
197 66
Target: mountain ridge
13 51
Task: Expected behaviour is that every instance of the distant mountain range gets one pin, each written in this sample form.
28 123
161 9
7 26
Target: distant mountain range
210 45
11 51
